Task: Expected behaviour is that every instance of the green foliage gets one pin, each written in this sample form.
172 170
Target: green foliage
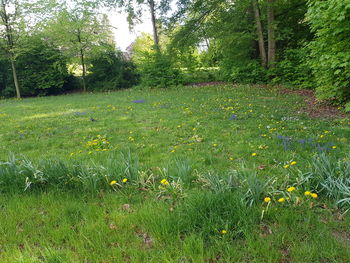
217 183
6 86
157 70
201 74
110 70
329 177
347 107
293 69
249 72
330 50
42 69
18 175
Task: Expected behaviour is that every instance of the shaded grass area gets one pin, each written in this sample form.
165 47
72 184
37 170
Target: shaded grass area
197 164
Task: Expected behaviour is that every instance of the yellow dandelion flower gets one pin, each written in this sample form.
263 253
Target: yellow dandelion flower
125 180
307 193
291 189
293 163
113 182
267 199
281 200
314 195
254 154
164 182
334 147
286 166
223 232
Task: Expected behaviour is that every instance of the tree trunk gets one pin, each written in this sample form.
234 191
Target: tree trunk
83 67
14 73
271 57
154 24
10 44
259 32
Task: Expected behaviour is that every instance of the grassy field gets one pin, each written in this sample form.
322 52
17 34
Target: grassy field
177 175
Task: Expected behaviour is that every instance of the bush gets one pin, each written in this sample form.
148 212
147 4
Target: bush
293 69
42 69
6 89
200 75
330 50
157 70
247 73
110 70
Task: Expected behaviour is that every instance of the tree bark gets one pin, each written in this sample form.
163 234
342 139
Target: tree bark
15 79
259 32
271 56
82 60
154 24
10 44
83 67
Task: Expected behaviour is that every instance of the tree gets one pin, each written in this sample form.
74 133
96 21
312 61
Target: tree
9 26
110 70
78 30
154 23
259 31
135 8
271 54
42 68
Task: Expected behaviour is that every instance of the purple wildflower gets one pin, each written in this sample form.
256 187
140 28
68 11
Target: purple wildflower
78 113
233 117
138 101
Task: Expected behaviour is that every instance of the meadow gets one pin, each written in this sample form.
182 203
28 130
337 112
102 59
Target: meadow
225 173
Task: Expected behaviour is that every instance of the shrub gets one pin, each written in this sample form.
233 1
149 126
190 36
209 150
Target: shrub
246 73
293 69
330 50
42 69
200 75
110 70
157 70
6 89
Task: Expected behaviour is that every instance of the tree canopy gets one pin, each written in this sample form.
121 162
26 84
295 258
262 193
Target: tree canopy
299 43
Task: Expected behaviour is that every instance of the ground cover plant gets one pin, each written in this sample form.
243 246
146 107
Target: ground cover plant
225 173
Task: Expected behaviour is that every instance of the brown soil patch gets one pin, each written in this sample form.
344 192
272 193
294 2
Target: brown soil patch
342 236
315 108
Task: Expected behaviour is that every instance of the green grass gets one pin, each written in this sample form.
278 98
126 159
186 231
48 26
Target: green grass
177 133
166 125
